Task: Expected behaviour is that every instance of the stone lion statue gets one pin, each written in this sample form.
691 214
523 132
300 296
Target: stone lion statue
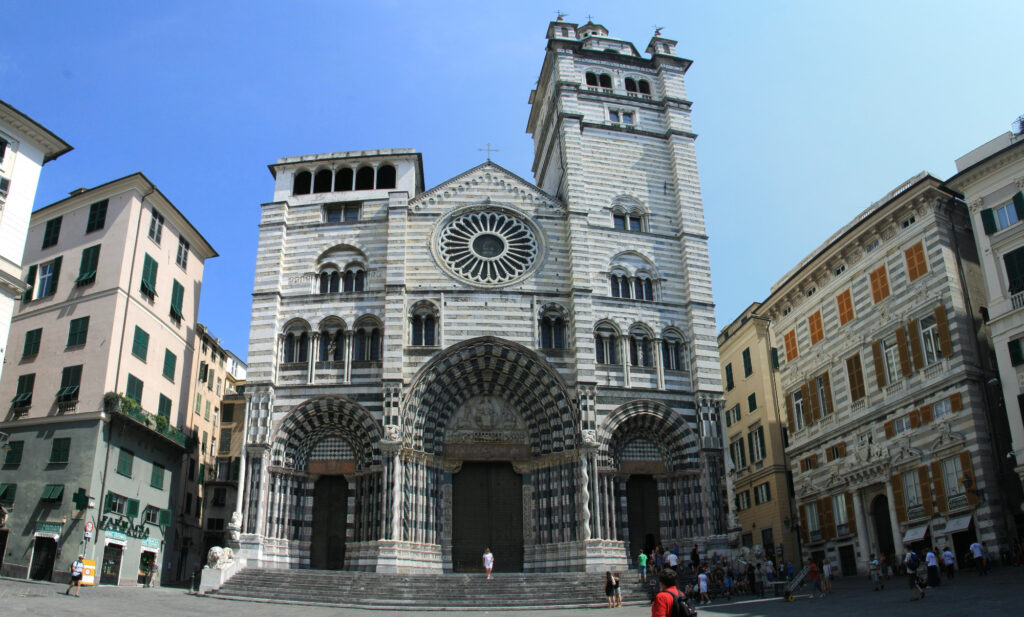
218 558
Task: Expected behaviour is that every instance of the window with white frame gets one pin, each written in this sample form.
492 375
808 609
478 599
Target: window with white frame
839 512
819 388
798 409
901 424
622 116
756 442
732 416
911 489
156 227
953 476
930 340
891 355
941 408
743 500
182 257
738 453
762 493
811 509
1005 215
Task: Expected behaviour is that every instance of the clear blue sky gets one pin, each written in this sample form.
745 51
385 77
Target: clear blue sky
807 111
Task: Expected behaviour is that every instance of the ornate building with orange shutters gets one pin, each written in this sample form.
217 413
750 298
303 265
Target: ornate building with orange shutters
883 362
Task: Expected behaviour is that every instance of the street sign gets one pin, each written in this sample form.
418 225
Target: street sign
89 526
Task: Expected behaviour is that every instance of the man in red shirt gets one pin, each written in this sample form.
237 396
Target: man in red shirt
815 577
662 606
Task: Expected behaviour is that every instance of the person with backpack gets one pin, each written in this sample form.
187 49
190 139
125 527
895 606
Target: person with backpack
912 562
670 602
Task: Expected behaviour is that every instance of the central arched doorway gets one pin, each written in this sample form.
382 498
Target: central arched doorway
487 512
883 525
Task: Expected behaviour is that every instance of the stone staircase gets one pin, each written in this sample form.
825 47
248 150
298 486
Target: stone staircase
425 592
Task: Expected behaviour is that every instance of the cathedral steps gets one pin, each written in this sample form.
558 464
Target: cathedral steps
425 592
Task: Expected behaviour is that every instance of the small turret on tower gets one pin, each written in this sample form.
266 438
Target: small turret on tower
562 29
661 45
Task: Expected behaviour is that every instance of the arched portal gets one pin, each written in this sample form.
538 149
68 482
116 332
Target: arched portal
324 461
883 526
502 427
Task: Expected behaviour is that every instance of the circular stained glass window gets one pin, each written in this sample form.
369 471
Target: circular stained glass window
489 247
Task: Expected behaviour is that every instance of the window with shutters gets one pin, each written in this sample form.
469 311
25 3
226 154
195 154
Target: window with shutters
821 390
762 493
748 365
78 331
930 340
60 450
815 326
43 279
941 408
134 389
743 500
23 396
912 494
813 524
156 227
170 364
88 266
164 407
97 216
1014 262
844 303
756 442
125 461
891 357
732 415
1016 347
151 515
879 279
177 300
156 477
140 344
12 458
798 409
116 504
953 480
51 235
791 350
70 382
32 339
181 258
917 265
840 515
148 284
737 450
1005 216
751 402
901 425
729 385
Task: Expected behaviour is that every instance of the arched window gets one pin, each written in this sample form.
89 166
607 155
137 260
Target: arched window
354 279
423 322
366 341
343 180
360 282
332 342
620 286
335 281
645 88
630 84
296 344
640 348
364 179
628 220
322 181
605 80
591 79
325 279
386 177
301 184
606 345
643 288
330 280
673 356
552 329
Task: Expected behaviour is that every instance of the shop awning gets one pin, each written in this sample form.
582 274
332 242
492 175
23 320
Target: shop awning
915 533
959 523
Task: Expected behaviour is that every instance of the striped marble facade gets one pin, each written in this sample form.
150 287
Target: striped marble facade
400 410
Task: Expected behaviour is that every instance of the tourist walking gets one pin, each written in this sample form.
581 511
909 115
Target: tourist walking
671 560
618 589
695 559
979 558
826 576
815 575
77 570
488 562
609 588
912 562
641 567
875 570
666 597
931 560
949 563
702 586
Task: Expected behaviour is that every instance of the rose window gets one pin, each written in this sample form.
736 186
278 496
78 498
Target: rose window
490 248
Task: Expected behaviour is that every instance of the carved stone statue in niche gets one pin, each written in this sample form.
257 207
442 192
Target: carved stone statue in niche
486 418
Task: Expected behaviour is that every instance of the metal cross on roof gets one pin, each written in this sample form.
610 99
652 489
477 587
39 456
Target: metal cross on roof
561 15
658 29
488 149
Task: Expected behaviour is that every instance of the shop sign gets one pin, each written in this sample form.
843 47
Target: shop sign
151 542
46 527
124 526
89 572
116 535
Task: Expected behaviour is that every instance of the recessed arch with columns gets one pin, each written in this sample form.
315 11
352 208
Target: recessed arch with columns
656 423
490 365
326 416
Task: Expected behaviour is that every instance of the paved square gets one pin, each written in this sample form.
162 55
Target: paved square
997 594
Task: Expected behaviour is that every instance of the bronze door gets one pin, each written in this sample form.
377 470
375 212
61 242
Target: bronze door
487 512
643 514
330 508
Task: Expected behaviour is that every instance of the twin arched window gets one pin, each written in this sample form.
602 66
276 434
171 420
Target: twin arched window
296 345
673 357
333 281
332 342
639 287
552 328
325 180
423 320
632 219
641 86
367 339
640 348
604 80
606 344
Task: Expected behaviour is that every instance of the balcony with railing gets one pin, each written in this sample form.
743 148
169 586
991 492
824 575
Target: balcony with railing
894 388
935 370
915 511
1017 300
129 410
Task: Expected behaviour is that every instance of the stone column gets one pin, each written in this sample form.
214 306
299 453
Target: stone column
396 496
897 539
348 357
314 354
659 365
623 344
862 529
585 497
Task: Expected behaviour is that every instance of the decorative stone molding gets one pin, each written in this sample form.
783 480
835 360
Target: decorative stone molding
977 204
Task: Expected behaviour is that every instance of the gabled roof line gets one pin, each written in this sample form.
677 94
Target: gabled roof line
434 189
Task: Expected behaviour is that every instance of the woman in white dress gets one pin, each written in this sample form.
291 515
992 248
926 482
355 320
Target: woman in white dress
702 586
488 562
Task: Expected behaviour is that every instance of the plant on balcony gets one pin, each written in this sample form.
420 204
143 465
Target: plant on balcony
161 424
111 402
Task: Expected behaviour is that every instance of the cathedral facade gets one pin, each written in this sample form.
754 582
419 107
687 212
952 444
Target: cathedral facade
529 367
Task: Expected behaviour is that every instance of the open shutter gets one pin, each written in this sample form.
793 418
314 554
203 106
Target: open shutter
132 509
916 352
915 418
851 515
31 280
815 403
804 531
926 414
897 497
806 391
165 518
968 468
890 429
1018 205
789 413
876 351
828 392
956 402
943 325
988 221
108 502
904 350
828 518
926 489
841 449
56 274
939 485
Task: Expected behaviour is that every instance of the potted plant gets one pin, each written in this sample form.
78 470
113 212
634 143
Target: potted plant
111 402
